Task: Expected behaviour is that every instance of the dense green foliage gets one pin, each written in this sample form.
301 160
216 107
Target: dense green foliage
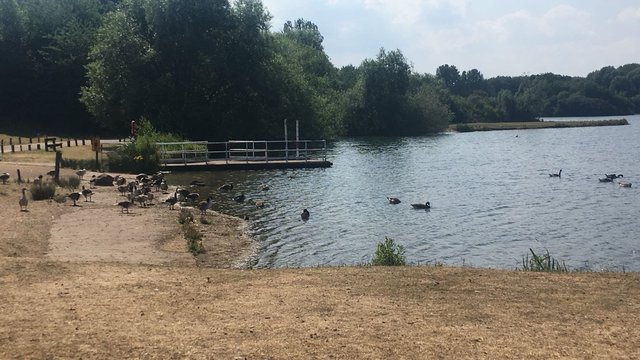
215 70
388 253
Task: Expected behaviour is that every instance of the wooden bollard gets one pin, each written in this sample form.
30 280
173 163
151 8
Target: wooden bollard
19 177
19 140
82 142
76 140
29 147
68 142
38 146
13 149
30 140
2 146
10 141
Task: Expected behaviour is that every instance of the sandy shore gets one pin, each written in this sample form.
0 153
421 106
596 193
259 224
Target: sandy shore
90 282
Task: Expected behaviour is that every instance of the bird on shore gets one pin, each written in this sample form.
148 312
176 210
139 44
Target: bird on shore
38 180
425 206
23 200
81 173
4 177
559 174
172 200
226 187
205 205
393 200
305 215
124 205
193 197
75 196
87 193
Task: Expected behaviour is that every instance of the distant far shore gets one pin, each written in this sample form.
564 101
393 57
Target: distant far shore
533 125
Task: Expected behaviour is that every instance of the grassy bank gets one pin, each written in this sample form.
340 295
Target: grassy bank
533 125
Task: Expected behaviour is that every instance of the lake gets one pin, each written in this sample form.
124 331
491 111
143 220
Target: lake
490 192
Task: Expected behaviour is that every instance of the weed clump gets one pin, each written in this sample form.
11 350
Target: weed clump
388 253
542 263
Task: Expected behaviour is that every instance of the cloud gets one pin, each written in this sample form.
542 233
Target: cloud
629 15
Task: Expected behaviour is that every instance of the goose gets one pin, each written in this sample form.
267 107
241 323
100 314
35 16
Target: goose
120 180
182 194
204 206
259 204
51 173
265 187
38 180
23 200
124 205
556 175
123 189
607 179
193 197
226 187
393 200
625 184
613 176
92 182
426 205
239 198
75 196
81 173
305 215
172 200
163 186
4 177
87 193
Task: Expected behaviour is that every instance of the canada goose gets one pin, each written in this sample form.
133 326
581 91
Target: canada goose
393 200
51 173
259 204
142 199
265 187
204 206
613 176
125 205
4 177
172 200
23 200
81 173
123 189
556 175
605 179
87 194
625 184
163 186
193 197
305 215
120 180
226 187
75 196
426 205
92 181
239 198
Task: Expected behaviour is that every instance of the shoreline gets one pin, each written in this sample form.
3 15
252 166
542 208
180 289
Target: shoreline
471 127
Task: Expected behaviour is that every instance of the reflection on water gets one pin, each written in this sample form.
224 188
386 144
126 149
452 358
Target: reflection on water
491 195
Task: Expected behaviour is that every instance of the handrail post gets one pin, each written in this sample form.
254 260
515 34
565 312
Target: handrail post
266 151
226 149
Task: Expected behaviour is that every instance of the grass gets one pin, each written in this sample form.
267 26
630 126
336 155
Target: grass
542 263
533 125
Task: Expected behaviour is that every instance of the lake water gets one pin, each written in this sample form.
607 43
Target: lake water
491 196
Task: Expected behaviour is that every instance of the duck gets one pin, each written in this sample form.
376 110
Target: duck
172 200
239 198
393 200
75 196
624 184
613 176
23 200
205 205
559 174
4 177
226 187
426 205
305 215
125 205
81 173
87 193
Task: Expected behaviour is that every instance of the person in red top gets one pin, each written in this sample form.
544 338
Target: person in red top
134 129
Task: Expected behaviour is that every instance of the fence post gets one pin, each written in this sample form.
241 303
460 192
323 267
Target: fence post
2 146
76 140
68 142
13 149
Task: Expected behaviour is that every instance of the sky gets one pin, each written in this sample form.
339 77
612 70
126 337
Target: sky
496 37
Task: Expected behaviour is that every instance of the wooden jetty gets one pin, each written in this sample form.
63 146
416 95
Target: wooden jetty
243 155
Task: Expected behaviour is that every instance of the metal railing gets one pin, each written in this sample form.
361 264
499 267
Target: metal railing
247 151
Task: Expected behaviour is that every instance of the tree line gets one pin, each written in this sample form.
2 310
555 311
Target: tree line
214 70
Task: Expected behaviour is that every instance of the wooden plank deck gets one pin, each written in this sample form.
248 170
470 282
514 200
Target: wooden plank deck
221 165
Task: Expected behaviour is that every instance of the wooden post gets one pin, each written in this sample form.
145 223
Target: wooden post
13 149
76 140
38 146
29 147
19 140
68 142
30 140
2 146
10 141
83 142
58 162
19 177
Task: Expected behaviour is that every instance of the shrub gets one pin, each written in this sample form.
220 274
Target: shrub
70 182
544 263
194 239
43 191
79 164
389 253
185 216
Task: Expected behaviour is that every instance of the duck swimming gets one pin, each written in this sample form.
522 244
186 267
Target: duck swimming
305 215
393 200
426 205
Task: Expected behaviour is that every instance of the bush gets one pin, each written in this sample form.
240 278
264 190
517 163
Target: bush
43 191
194 239
389 253
141 155
70 182
79 164
543 263
185 216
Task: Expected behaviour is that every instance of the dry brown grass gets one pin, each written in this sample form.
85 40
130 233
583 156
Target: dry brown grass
533 125
79 307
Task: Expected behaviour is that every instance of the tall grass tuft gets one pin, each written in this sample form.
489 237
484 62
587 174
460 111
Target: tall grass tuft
543 263
69 182
388 253
194 239
185 216
43 191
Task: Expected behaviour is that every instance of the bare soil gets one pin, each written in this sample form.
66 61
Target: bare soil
92 282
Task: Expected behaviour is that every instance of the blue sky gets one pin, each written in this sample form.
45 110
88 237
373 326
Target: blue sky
497 37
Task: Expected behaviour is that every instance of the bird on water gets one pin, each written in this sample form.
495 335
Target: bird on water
305 215
556 175
426 205
393 200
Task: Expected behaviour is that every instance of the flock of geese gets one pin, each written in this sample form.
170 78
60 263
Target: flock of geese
607 178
